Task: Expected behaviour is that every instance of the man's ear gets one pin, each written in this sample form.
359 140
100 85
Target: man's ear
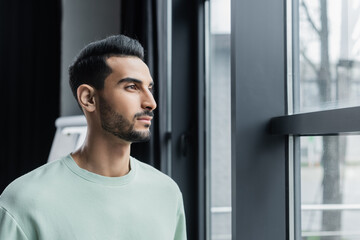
86 97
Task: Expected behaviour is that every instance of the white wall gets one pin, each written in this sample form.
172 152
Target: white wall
83 21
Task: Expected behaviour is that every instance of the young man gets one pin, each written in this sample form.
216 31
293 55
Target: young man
99 191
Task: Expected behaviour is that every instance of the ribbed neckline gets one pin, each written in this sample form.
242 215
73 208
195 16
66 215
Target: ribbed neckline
96 178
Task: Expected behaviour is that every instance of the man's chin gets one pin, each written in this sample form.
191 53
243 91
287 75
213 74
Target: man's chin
140 140
140 136
141 126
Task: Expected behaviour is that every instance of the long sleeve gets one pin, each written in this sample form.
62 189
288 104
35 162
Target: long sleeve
180 232
9 229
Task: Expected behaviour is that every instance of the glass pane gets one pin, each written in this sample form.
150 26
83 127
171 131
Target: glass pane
330 193
219 121
329 52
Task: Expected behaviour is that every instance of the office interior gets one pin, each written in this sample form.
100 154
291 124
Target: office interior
258 117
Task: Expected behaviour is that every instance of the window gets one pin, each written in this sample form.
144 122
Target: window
330 176
218 120
329 52
326 69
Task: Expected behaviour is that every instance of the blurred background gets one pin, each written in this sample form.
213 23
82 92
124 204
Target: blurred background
40 39
222 70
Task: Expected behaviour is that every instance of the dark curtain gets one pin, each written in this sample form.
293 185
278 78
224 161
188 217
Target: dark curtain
30 79
145 20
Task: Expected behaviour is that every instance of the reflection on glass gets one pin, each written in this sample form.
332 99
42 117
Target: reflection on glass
330 193
329 49
219 121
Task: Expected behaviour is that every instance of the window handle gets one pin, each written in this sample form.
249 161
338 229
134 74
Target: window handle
184 144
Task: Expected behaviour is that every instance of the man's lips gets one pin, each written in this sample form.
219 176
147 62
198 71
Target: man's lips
145 119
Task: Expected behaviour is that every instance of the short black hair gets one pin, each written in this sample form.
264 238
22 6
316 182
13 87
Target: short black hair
90 66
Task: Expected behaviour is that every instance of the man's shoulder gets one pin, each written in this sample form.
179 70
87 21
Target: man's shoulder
26 187
152 174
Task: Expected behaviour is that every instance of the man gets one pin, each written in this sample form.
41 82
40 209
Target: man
99 191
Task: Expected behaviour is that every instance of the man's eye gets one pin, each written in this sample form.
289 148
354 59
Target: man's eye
133 87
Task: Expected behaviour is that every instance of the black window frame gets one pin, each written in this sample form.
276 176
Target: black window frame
259 91
262 129
331 122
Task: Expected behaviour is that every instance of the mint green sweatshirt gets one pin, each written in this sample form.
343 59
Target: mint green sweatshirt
61 201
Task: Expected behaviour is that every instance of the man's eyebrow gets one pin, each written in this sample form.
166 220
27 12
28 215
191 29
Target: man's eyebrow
133 80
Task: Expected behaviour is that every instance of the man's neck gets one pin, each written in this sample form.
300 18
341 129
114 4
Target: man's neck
104 158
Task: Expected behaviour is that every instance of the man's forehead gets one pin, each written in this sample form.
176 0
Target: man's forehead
129 67
127 64
123 59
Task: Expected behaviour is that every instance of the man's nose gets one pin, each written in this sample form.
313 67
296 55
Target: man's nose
149 102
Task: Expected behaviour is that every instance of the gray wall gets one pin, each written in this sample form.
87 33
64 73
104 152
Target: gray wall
83 21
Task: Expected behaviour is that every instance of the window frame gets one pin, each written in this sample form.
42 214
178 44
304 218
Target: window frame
333 122
259 159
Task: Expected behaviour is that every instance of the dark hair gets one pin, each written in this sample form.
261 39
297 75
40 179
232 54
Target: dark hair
90 66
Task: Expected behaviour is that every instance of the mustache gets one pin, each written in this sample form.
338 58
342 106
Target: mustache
145 113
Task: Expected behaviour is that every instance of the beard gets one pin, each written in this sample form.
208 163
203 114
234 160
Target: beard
119 126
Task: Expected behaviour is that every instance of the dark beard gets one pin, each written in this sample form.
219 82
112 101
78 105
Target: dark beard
119 126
